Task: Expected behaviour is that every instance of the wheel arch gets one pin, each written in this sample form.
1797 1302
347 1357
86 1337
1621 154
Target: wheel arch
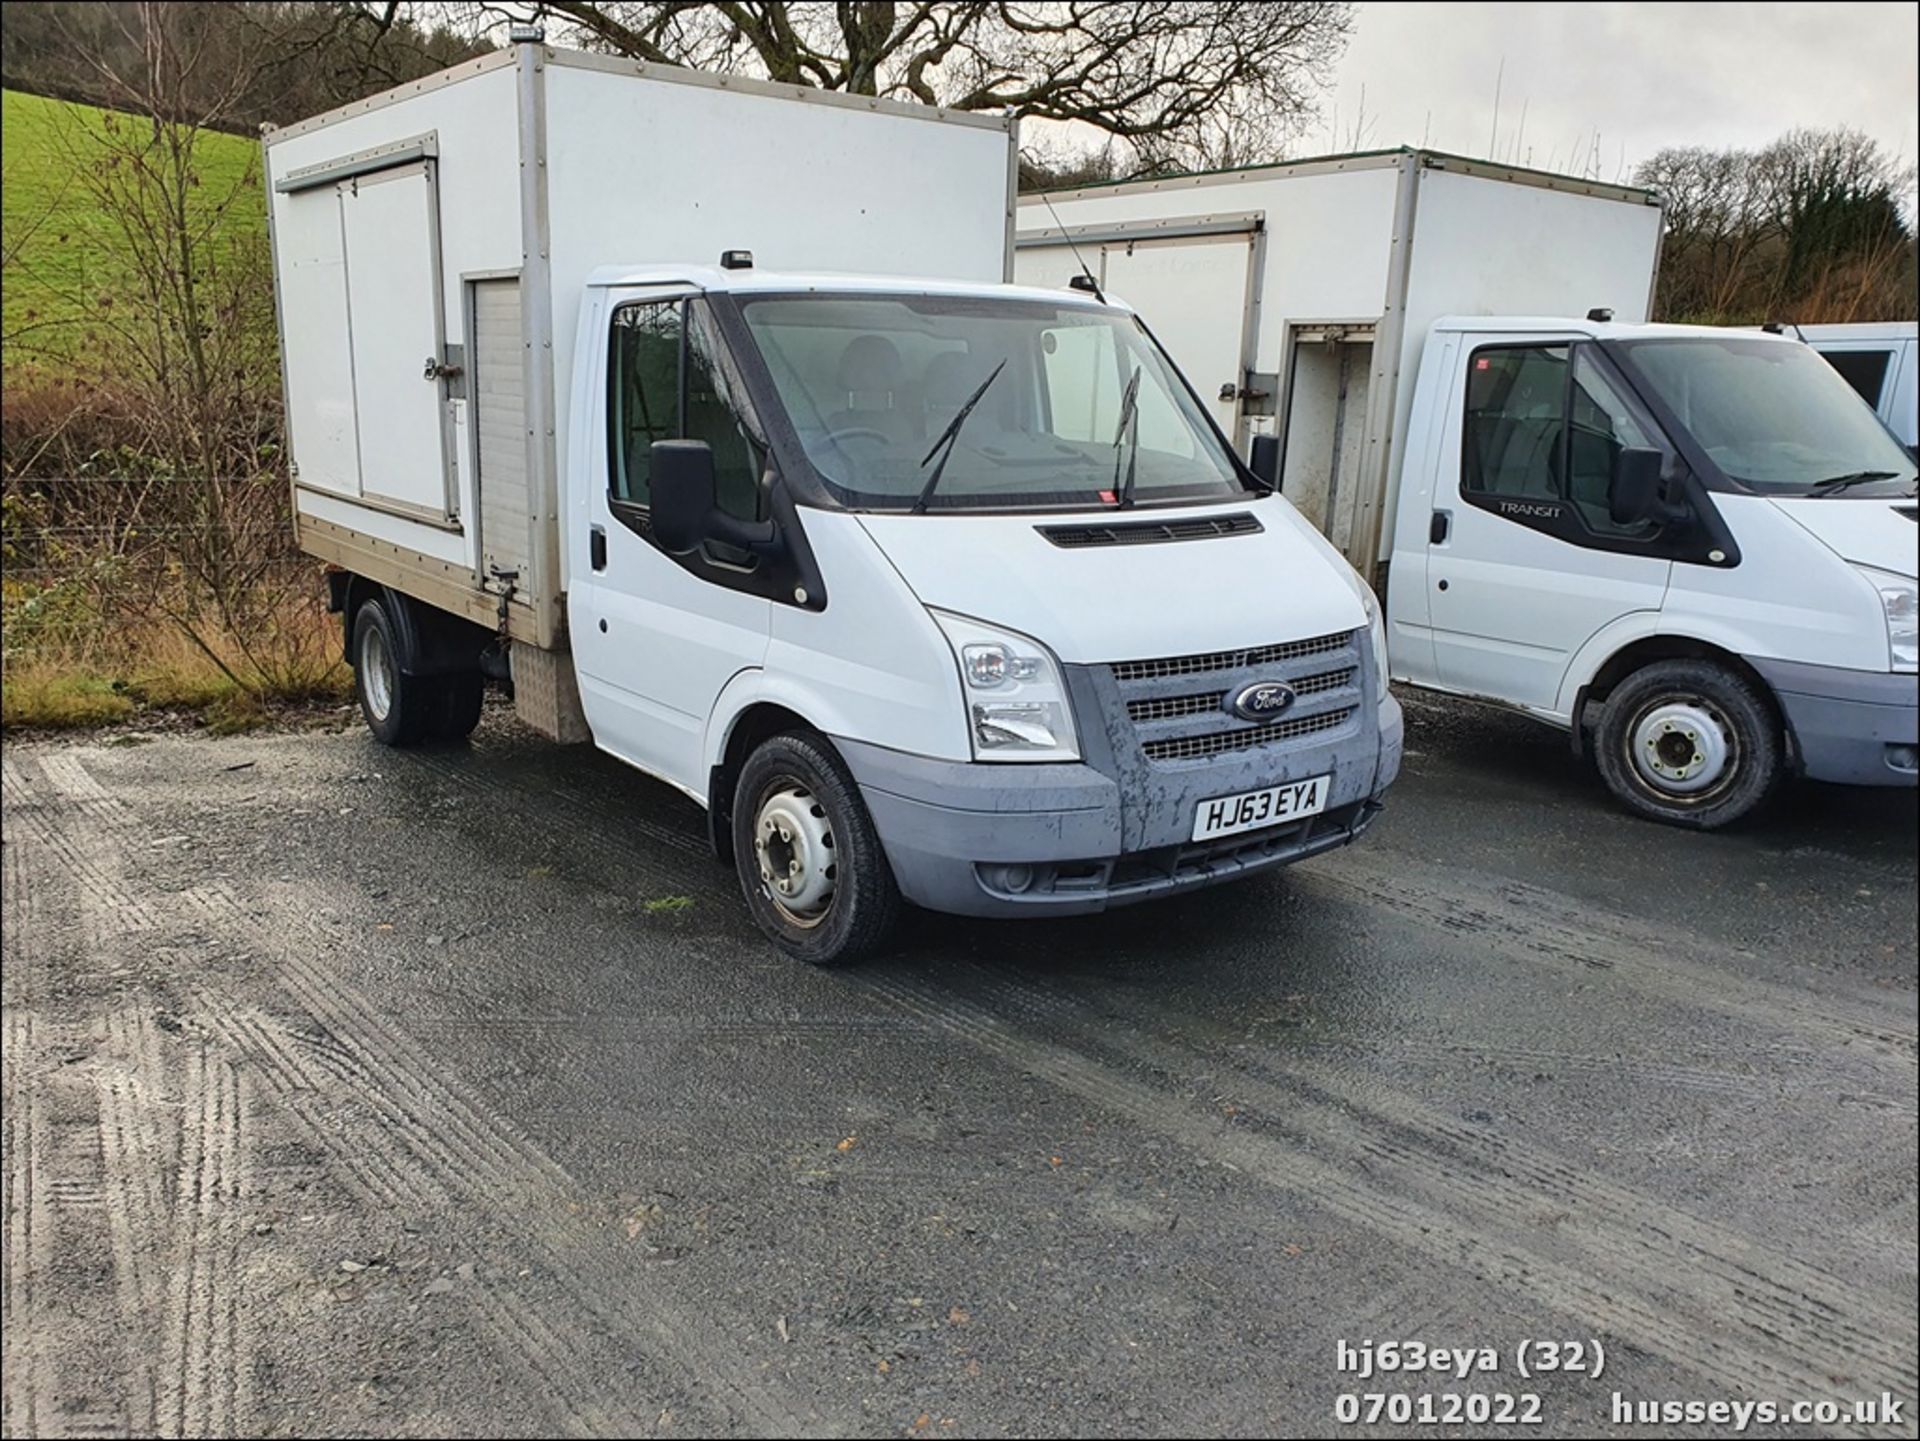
748 725
431 641
1647 649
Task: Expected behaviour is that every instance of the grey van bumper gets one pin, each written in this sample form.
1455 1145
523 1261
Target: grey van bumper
1857 728
1023 840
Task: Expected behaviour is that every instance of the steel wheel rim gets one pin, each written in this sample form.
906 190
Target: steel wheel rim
376 673
1683 749
794 850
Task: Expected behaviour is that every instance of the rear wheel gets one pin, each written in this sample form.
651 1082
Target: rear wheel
1689 742
811 865
400 709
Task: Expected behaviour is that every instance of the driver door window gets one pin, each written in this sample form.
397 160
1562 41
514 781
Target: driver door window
668 379
1542 429
643 400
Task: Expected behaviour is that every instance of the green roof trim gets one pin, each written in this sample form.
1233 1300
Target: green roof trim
1336 157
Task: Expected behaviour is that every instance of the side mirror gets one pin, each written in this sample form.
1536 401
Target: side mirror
683 507
681 493
1263 459
1633 491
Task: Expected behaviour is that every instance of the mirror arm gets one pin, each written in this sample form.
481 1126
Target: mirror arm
754 535
1668 509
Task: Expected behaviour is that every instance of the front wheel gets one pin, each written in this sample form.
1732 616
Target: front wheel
1689 742
811 864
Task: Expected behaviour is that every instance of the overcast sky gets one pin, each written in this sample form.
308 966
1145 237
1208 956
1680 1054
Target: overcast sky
1640 75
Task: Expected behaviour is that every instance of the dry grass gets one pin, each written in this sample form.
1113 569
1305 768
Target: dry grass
158 671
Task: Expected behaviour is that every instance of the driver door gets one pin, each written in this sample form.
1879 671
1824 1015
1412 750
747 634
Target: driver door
1525 563
655 638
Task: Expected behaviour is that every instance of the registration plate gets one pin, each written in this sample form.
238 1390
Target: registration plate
1229 815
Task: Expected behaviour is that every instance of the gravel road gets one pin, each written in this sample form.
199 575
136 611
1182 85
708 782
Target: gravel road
357 1091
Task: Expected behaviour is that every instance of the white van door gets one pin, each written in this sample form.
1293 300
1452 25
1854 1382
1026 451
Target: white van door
1524 562
656 638
391 225
1193 294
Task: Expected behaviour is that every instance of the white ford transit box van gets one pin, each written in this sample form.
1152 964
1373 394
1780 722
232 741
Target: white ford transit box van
942 590
1693 550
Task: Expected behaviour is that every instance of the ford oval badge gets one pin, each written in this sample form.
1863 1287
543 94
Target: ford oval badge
1264 700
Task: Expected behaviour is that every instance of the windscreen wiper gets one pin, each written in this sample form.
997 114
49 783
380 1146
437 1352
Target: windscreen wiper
1127 433
950 437
1834 484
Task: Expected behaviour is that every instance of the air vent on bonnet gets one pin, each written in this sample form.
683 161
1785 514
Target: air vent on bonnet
1150 532
1911 512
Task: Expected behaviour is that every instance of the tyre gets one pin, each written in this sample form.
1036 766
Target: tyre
400 709
811 865
456 704
1689 742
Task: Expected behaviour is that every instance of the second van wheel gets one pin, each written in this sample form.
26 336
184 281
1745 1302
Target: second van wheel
1689 742
815 875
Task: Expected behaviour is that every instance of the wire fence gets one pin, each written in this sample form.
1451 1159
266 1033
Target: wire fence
115 575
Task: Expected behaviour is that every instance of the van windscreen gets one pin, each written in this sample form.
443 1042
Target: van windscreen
871 383
1773 416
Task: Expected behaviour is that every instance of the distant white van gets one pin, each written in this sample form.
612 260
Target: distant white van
1880 361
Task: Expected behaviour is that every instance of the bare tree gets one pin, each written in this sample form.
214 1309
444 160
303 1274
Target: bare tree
1809 228
1201 82
183 521
293 58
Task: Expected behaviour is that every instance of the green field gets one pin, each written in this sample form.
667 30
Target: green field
65 258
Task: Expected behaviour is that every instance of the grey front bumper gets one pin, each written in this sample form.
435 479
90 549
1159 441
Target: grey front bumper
1069 839
1858 728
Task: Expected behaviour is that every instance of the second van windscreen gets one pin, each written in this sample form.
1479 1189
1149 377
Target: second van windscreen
1776 419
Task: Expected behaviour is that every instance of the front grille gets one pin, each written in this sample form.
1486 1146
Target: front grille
1187 748
1172 707
1150 532
1326 680
1127 670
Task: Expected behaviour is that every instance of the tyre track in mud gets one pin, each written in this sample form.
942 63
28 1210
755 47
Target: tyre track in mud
436 1147
58 1193
1470 1238
1781 1309
204 1359
201 1390
174 1257
1749 1084
1541 926
26 1220
136 1160
1784 1313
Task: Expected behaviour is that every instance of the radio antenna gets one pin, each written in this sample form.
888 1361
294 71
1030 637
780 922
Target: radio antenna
1092 284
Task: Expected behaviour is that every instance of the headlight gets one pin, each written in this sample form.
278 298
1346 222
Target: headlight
1900 598
1377 632
1016 701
